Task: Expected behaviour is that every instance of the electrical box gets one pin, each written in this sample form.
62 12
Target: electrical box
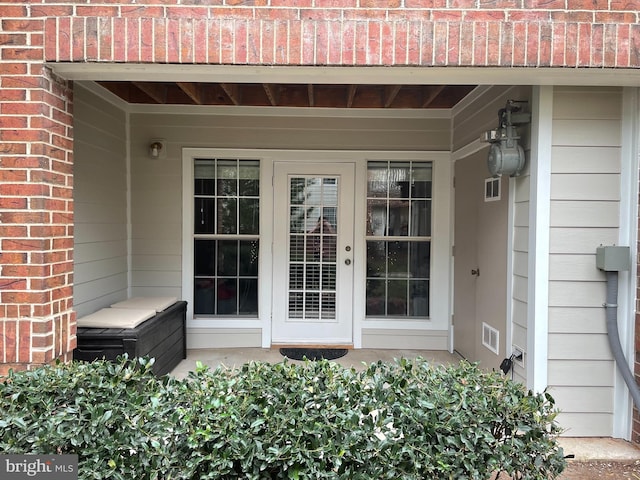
613 258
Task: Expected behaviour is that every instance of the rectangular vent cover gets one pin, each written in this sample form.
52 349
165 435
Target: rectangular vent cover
490 338
492 189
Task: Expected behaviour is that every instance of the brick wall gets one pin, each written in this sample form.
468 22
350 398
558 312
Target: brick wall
36 209
37 324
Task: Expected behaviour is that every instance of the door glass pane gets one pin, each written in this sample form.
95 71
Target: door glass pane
313 213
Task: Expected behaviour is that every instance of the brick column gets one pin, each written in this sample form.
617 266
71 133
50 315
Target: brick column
37 325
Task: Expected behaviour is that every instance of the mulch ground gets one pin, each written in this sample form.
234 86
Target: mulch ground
596 470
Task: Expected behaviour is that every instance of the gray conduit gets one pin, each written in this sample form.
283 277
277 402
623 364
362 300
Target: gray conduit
614 337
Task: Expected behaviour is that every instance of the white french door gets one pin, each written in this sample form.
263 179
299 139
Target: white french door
313 253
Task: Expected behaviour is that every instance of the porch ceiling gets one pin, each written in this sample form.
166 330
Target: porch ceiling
289 95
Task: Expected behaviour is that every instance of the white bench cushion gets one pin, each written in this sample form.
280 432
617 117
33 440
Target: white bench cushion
116 318
154 303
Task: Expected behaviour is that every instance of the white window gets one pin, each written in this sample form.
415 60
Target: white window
225 237
398 239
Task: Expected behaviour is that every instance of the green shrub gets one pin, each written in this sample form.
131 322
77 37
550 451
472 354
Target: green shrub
406 420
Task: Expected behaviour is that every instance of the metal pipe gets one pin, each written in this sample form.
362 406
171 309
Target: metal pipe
614 337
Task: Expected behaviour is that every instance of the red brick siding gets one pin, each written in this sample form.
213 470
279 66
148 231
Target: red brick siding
36 208
37 324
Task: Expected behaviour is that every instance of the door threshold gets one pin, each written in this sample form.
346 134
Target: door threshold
347 346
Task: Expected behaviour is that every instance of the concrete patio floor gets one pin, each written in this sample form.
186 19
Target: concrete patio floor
235 357
584 449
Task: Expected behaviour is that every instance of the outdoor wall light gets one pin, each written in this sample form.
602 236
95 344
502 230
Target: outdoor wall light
156 149
506 156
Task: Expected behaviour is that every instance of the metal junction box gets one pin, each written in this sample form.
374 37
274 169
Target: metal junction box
613 258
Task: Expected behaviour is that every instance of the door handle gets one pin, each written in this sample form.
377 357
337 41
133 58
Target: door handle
475 272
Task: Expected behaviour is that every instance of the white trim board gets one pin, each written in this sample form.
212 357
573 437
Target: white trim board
373 75
539 221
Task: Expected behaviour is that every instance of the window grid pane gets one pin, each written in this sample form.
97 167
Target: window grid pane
226 241
398 239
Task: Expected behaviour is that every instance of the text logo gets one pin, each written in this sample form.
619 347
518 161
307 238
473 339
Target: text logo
50 467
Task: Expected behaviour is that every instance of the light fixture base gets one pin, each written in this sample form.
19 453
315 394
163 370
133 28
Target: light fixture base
157 149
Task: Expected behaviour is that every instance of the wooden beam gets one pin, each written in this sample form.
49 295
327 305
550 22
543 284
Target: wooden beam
272 93
233 92
390 94
311 95
431 95
351 94
193 91
156 91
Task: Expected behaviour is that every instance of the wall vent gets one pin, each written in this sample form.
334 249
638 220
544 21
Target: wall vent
490 338
491 189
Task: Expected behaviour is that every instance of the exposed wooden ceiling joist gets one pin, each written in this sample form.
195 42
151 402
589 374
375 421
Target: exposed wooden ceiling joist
291 95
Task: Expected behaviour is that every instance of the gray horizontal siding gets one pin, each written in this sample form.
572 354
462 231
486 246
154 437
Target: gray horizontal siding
585 204
100 202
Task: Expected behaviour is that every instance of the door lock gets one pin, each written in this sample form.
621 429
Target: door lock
347 261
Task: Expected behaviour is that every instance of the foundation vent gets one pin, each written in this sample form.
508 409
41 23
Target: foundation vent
490 338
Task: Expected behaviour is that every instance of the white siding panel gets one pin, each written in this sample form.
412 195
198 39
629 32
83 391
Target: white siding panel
581 425
574 267
584 372
295 132
521 239
156 246
579 347
521 214
156 262
576 294
593 159
89 252
587 102
580 240
405 339
519 316
585 192
90 271
100 230
582 133
101 288
156 279
223 338
156 291
520 288
584 214
577 320
523 189
583 399
585 187
520 263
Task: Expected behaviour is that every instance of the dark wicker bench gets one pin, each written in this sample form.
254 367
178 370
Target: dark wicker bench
162 337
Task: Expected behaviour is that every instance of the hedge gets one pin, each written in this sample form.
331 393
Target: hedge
316 420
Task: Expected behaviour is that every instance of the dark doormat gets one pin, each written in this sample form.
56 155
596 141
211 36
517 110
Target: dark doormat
313 353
